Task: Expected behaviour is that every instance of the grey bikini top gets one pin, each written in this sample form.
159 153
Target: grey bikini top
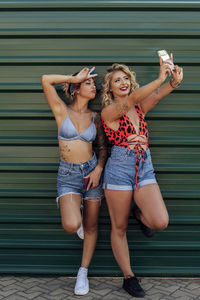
68 132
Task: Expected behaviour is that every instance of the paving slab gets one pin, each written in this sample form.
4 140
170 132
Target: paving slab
105 288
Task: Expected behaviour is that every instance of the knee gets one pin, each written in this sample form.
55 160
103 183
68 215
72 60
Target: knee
120 229
90 228
161 224
70 227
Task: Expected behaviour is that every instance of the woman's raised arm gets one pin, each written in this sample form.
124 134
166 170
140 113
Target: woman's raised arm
116 110
48 82
148 103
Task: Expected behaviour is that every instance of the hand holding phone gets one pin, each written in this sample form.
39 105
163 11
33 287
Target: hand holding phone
86 181
165 58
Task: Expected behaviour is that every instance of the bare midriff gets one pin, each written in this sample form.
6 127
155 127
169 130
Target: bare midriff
75 151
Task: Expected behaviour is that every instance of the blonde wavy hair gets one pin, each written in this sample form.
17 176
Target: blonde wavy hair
107 96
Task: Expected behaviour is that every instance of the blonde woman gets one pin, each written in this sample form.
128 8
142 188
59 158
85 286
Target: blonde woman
129 173
78 128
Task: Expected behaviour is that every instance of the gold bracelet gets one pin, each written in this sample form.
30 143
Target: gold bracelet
176 86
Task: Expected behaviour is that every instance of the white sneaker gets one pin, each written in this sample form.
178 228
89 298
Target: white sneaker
82 283
80 232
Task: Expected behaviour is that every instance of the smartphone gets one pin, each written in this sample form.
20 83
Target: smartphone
165 58
86 181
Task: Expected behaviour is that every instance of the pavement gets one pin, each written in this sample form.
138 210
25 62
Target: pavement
106 288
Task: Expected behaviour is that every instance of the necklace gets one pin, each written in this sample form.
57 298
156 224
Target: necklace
79 111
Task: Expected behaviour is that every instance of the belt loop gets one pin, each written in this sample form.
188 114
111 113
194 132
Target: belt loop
89 163
129 151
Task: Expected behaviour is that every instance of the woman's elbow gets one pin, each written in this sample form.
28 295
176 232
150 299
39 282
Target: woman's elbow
44 78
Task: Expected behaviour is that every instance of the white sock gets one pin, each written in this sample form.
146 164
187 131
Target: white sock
83 270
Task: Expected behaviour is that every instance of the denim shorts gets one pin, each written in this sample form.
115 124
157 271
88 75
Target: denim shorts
120 170
70 179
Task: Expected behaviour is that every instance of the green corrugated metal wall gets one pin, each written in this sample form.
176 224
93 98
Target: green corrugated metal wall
47 36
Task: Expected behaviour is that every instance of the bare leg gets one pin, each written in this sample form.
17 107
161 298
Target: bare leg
70 212
119 204
90 224
153 210
71 221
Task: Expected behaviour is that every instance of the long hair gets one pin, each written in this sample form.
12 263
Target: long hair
107 96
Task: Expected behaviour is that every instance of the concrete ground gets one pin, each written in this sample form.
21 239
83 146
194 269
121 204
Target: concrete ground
106 288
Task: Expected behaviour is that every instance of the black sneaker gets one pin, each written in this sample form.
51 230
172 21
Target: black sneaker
148 232
132 286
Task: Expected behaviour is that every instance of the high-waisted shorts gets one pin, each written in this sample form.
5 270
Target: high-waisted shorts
120 170
70 179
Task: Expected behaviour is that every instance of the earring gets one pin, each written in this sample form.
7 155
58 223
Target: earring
73 94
